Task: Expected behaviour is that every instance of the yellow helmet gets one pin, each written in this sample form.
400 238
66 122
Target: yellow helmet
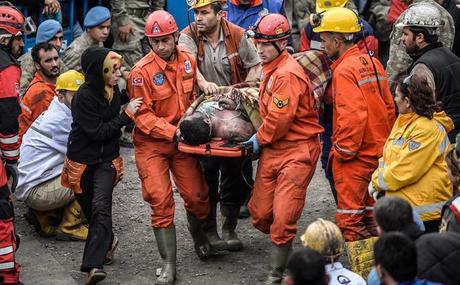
70 81
324 237
338 20
323 5
201 3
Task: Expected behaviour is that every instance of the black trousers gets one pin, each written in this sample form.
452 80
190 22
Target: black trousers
97 183
235 179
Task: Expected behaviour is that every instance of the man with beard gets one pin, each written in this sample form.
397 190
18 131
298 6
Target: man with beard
41 90
437 63
12 24
49 31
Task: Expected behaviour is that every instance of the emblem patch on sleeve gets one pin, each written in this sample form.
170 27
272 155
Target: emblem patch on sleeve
139 81
159 78
413 145
279 106
188 66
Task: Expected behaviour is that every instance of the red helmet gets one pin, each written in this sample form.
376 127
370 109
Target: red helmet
271 28
11 20
160 23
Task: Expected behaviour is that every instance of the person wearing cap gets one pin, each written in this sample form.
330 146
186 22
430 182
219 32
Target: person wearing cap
165 79
225 57
97 23
287 140
43 150
325 237
245 13
49 31
12 28
399 61
363 115
420 27
40 92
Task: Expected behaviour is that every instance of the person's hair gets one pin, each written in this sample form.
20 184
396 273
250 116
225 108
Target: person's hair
306 266
393 214
397 254
194 130
345 38
429 36
216 7
41 46
420 95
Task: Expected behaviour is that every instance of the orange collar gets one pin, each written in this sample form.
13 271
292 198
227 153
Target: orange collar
354 50
253 2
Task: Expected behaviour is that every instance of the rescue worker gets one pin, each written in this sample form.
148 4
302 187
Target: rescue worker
289 138
399 61
420 132
40 92
43 150
97 23
431 59
362 118
225 57
297 12
128 27
245 13
325 237
93 165
165 79
49 31
12 24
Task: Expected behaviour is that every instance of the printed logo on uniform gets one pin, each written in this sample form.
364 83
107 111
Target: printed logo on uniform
363 60
188 66
279 106
413 145
343 280
139 81
159 78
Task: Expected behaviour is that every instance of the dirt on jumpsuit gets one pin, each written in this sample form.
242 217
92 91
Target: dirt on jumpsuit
137 257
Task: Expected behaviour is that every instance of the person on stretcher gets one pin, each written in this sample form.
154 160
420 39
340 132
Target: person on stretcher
232 115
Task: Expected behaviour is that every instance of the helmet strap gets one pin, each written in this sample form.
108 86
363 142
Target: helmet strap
277 48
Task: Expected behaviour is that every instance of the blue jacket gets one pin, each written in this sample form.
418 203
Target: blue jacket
248 17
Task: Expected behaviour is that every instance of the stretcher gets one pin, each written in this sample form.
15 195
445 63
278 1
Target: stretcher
218 147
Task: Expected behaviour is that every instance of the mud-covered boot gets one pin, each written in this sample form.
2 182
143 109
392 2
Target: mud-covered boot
229 234
361 255
167 247
42 221
72 227
210 229
201 243
278 258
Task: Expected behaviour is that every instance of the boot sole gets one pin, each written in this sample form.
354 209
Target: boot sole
66 237
96 278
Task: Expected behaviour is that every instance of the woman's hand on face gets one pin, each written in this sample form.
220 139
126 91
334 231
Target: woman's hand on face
134 105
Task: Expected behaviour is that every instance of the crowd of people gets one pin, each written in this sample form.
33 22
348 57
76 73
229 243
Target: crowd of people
368 88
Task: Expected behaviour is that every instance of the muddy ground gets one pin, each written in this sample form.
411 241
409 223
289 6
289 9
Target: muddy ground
137 257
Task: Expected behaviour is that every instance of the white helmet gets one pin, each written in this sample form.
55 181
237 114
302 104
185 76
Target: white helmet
422 14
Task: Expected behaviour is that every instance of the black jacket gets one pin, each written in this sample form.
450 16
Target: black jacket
96 122
438 257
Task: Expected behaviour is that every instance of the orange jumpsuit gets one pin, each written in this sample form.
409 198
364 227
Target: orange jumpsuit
289 136
37 99
167 89
362 121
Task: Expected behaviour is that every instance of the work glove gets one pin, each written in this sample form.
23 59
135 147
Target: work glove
12 173
254 144
374 193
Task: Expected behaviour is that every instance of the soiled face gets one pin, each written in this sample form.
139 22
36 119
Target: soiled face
111 68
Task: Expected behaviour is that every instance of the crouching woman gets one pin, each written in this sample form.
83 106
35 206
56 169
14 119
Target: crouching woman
93 165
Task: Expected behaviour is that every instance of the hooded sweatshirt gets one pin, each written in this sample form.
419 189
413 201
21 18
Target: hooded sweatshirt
96 120
413 165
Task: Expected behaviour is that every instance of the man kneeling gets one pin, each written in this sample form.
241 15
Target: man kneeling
53 209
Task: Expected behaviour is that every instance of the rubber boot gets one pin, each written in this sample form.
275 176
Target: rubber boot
361 255
201 243
230 215
72 227
217 244
42 221
167 247
278 258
